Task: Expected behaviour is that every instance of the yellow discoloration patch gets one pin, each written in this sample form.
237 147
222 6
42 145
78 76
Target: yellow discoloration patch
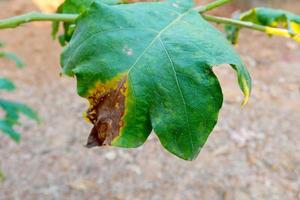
296 27
106 110
121 123
246 92
274 24
101 88
84 115
278 31
297 38
285 33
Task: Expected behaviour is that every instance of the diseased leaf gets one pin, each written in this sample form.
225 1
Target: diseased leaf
13 57
272 18
147 66
74 7
6 84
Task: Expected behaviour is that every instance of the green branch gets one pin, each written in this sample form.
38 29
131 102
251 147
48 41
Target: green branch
38 16
238 23
211 6
35 16
250 25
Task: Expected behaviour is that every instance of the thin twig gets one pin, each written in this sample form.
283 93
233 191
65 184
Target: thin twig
35 16
38 16
211 6
249 25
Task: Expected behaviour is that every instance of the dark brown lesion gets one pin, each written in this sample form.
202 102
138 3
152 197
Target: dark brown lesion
106 112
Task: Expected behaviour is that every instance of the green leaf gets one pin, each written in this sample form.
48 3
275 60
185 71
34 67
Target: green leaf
13 57
2 176
73 7
272 18
13 109
147 66
6 84
7 128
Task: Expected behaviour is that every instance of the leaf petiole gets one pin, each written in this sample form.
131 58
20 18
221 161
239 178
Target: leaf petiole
211 6
250 25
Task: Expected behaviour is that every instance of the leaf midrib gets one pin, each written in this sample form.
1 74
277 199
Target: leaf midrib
181 94
157 37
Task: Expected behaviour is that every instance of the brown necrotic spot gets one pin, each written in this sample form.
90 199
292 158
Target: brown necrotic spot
106 112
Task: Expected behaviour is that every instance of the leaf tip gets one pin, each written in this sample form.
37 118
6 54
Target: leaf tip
246 91
245 101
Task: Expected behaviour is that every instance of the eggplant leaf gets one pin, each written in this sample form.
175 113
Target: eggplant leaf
147 66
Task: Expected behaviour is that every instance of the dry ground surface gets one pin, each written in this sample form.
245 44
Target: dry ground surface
253 153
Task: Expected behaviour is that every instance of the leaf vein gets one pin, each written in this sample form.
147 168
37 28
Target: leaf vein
157 37
181 93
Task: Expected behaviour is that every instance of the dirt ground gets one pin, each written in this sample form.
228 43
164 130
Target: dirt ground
253 153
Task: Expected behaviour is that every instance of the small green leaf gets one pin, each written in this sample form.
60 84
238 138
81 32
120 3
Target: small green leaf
147 66
13 109
6 84
74 7
7 128
69 7
13 57
272 18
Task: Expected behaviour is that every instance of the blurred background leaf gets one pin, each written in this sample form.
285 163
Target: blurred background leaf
6 84
12 109
12 57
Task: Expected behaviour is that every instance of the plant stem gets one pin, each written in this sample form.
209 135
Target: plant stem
38 16
249 25
238 23
35 16
211 6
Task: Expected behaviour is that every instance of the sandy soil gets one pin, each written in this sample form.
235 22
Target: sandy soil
252 154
